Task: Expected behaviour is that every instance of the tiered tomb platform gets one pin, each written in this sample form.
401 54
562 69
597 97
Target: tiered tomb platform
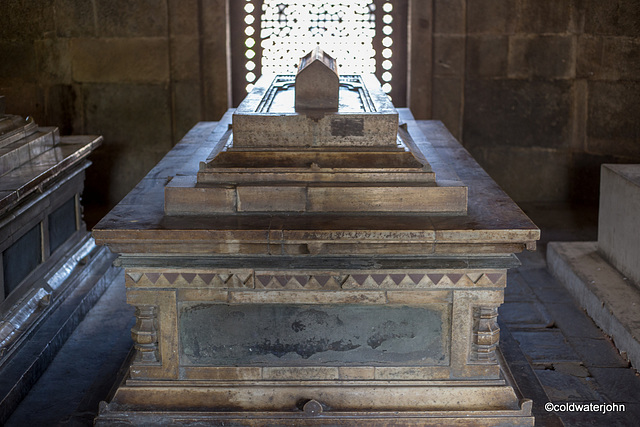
356 159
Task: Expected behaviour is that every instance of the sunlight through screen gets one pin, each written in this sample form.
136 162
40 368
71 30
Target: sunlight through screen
343 29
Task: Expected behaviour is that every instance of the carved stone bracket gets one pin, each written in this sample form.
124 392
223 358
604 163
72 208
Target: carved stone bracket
486 335
145 334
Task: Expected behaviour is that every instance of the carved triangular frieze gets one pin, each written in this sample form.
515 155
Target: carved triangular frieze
474 277
171 277
153 277
189 277
135 276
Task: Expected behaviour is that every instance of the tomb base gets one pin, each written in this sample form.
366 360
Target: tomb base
50 269
313 403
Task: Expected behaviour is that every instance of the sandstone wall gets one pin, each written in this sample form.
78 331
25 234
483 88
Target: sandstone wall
540 92
141 73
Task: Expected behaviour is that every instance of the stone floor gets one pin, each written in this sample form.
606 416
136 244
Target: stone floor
546 337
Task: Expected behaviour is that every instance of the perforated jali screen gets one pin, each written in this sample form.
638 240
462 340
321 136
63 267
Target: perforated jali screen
270 36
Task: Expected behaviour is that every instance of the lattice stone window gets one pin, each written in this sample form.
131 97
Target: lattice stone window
270 36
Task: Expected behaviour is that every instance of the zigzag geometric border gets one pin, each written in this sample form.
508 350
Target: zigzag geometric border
317 281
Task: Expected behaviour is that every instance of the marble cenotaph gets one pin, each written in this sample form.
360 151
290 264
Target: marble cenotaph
317 263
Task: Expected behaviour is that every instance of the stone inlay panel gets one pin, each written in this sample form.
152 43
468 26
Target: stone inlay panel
303 335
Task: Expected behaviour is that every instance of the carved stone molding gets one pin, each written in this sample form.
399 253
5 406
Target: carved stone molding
486 335
317 280
145 334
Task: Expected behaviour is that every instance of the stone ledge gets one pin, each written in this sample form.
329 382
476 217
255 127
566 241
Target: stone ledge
610 299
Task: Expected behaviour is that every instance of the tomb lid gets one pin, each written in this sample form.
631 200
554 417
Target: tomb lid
32 157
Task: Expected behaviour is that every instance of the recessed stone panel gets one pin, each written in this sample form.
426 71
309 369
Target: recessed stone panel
303 335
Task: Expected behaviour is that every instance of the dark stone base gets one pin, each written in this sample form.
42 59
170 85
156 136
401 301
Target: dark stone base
30 359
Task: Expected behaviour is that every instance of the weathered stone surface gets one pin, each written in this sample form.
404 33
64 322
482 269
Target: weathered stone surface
184 15
314 335
562 387
599 353
490 16
75 18
23 60
448 55
21 20
212 12
486 56
589 56
120 18
612 18
525 315
544 346
185 58
449 16
388 199
179 200
608 58
540 174
447 103
128 105
367 118
545 16
621 383
216 98
612 125
62 108
269 199
609 299
517 113
142 60
618 223
53 61
529 57
187 109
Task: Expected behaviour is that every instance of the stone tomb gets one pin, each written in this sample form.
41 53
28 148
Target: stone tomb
317 268
50 266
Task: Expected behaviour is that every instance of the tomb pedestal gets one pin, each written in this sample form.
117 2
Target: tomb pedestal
352 279
47 253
